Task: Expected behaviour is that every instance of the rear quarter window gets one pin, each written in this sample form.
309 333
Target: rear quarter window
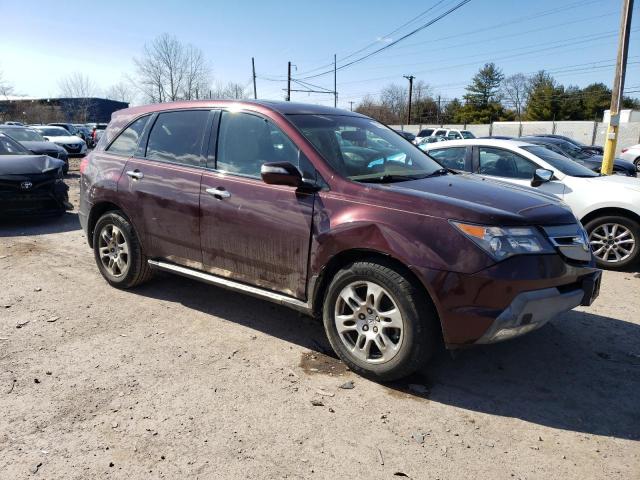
127 142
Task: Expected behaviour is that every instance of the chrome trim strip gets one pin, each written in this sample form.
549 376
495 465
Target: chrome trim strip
304 307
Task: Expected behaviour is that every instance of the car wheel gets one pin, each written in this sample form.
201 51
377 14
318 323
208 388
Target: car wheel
636 162
378 322
118 252
614 241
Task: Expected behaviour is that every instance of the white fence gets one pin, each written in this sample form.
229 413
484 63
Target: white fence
590 133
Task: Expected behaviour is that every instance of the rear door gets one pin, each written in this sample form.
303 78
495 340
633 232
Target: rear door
162 183
253 232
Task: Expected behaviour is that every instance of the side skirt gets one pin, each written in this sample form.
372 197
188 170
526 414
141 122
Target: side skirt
304 307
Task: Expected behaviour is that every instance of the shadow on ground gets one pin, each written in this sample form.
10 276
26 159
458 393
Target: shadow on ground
579 373
39 225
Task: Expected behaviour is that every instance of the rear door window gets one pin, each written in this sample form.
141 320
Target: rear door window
450 157
127 142
503 163
177 137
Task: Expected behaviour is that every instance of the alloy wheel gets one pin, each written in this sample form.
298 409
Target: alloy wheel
369 322
612 242
113 249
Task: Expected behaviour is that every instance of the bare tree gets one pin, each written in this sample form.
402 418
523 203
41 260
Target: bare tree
515 88
80 90
6 88
395 99
230 91
121 92
169 70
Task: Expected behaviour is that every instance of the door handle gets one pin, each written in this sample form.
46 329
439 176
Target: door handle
137 174
219 193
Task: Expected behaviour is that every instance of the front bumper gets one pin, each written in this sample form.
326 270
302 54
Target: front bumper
531 310
518 295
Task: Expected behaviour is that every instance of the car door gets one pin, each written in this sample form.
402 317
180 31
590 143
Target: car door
511 167
162 185
250 231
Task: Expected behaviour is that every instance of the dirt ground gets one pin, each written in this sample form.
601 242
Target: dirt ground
181 380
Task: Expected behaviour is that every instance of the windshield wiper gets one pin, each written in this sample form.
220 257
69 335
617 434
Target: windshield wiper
387 179
439 172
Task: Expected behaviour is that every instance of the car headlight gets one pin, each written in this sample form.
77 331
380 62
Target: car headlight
504 242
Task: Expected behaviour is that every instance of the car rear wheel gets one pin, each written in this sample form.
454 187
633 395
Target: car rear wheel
378 322
614 241
636 162
118 252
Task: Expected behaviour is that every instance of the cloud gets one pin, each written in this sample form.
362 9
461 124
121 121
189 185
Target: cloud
384 39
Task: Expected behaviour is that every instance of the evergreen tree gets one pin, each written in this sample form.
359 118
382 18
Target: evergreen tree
543 101
482 100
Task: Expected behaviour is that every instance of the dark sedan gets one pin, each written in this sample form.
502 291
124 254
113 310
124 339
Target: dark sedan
35 143
30 184
409 136
594 149
591 161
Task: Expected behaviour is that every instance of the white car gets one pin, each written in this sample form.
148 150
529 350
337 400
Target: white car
607 206
72 144
632 154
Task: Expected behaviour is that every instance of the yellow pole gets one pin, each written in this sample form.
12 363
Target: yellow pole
617 90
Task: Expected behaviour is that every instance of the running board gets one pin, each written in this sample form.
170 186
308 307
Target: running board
291 302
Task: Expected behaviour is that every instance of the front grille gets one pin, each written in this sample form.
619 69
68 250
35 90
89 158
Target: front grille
73 147
42 182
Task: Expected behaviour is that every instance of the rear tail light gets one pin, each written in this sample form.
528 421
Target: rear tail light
624 150
84 163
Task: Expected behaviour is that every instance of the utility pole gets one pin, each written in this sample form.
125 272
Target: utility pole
618 88
410 78
288 81
253 67
335 82
438 112
351 105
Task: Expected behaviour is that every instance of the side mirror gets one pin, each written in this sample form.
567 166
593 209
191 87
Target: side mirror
281 173
540 176
45 139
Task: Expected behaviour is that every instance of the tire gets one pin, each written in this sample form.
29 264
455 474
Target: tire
609 245
636 162
118 252
407 349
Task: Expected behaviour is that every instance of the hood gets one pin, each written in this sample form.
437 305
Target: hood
614 182
64 139
28 164
41 147
481 200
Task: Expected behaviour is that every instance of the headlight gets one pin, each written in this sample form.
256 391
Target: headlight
504 242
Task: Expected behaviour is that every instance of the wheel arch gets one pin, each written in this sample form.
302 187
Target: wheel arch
348 256
95 213
610 211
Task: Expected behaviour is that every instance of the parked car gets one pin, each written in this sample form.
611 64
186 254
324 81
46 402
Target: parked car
589 160
84 133
69 127
97 132
632 154
30 184
409 136
594 149
392 250
455 134
427 140
14 123
72 144
430 132
35 143
499 137
607 206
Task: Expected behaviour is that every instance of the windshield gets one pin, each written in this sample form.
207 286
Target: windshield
53 131
364 150
9 146
23 134
467 134
563 164
573 151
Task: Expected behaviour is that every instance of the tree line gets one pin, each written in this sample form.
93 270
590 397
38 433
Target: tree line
492 96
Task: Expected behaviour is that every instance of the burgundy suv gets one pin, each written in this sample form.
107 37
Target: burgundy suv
333 214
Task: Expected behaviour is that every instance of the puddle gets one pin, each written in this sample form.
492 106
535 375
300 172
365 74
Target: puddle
315 362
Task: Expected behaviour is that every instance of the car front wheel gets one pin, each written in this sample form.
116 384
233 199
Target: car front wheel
614 241
378 322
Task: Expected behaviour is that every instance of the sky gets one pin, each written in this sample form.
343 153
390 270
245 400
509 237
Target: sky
42 41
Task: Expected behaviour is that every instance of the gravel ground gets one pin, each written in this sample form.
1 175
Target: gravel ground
182 380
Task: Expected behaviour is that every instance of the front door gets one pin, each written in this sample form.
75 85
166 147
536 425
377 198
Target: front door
252 232
163 183
513 168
